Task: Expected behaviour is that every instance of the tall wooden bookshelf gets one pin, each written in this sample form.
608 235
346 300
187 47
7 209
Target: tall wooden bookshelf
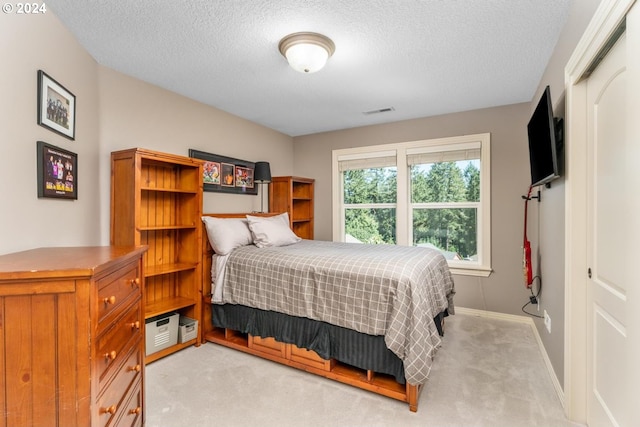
294 195
156 200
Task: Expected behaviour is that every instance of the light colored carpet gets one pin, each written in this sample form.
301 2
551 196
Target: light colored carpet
488 372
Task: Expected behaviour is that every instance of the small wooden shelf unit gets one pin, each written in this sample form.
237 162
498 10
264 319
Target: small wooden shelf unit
294 195
156 200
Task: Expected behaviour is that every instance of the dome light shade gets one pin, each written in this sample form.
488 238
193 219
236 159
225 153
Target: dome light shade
306 52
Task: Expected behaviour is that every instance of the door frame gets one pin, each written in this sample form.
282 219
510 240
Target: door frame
593 44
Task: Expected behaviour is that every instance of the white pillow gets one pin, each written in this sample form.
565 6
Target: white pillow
226 234
271 231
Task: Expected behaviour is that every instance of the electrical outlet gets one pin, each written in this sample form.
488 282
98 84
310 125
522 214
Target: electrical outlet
547 321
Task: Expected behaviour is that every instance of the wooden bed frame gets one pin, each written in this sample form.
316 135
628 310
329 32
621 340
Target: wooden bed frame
289 354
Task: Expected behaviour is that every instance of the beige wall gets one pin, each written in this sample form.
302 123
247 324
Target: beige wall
503 291
548 216
114 111
137 114
30 43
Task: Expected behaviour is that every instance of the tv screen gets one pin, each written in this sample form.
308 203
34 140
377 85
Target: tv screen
543 157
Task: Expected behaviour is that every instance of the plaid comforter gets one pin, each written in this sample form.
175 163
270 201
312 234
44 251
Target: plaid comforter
394 291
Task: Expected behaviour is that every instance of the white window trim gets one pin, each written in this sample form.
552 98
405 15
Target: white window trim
403 212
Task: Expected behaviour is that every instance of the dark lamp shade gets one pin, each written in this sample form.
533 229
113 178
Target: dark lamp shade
262 172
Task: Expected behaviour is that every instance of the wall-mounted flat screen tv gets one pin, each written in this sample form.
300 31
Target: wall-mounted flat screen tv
543 142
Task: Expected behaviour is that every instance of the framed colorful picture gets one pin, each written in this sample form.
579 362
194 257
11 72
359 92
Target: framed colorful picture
244 177
211 173
57 172
56 106
226 174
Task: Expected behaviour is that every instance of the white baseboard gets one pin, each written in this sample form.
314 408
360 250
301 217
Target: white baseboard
529 321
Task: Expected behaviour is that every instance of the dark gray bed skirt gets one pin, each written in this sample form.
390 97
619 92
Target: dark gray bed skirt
353 348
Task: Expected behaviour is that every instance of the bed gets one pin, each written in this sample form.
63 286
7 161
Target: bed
359 314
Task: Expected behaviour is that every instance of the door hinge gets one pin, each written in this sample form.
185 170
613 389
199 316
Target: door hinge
589 272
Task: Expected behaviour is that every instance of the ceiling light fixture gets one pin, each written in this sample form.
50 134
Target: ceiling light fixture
306 52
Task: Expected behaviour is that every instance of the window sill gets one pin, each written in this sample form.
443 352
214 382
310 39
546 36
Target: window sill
471 271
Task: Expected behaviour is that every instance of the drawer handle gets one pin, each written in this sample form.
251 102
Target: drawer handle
135 325
135 368
111 355
110 410
135 282
135 411
110 300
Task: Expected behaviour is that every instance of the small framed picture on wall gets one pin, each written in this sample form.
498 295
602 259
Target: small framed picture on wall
228 172
57 172
244 177
56 107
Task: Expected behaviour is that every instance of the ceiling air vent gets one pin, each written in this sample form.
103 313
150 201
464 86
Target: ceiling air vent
381 110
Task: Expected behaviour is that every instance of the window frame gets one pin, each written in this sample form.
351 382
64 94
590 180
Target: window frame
404 207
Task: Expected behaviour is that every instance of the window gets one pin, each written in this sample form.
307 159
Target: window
369 199
432 193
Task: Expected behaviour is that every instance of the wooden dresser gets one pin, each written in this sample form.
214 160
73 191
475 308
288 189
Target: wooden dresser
72 337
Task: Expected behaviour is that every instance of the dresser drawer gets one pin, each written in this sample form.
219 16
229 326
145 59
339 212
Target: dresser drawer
115 290
116 342
115 399
267 345
131 414
309 358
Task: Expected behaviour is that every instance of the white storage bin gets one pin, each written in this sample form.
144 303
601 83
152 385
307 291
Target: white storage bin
161 332
187 329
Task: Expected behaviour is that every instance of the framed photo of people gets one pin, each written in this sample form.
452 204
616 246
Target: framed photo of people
57 172
56 106
226 174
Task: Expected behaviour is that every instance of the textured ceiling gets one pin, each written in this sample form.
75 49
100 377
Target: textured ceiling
419 57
